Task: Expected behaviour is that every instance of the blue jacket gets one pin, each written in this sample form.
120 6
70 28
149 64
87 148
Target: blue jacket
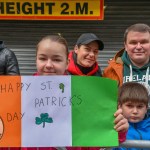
138 131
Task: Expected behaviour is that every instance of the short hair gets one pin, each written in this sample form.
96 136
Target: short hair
56 38
134 92
139 27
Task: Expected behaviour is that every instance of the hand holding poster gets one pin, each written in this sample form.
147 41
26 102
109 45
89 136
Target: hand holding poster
57 111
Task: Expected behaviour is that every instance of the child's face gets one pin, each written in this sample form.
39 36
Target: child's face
51 58
134 112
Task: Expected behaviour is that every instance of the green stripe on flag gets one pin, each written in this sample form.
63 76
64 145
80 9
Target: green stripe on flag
94 101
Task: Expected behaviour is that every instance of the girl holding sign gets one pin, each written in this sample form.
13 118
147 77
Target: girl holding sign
51 59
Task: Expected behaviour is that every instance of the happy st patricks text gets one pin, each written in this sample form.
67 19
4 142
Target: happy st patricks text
42 94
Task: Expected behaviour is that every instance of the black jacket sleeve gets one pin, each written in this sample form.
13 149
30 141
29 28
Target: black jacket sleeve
8 61
11 63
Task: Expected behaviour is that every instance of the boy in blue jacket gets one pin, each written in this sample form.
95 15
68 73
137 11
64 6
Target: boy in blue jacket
133 100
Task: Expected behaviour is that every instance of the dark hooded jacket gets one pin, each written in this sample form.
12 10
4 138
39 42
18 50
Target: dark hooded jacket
8 61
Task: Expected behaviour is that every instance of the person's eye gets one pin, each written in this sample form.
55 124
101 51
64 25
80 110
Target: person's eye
96 52
130 106
133 42
140 106
87 49
42 58
57 60
144 42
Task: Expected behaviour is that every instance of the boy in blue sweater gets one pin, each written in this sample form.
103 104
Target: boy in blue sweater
133 100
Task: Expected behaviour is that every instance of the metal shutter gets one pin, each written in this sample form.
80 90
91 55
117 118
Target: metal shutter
22 36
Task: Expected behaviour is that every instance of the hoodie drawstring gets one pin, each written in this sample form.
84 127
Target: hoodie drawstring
131 74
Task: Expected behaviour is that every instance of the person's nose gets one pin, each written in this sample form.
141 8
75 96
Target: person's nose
49 64
135 110
91 53
139 45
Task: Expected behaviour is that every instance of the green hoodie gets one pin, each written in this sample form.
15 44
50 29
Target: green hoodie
133 73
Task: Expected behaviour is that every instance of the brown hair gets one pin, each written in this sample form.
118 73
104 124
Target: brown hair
56 38
139 27
133 92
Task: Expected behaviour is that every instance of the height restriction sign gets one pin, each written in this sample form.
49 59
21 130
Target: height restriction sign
51 10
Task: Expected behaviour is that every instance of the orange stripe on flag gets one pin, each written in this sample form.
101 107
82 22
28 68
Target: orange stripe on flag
10 111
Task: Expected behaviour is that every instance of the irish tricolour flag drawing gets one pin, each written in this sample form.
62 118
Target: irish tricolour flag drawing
47 111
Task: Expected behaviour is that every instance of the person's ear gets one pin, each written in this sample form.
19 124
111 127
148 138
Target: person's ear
76 49
67 63
119 105
125 46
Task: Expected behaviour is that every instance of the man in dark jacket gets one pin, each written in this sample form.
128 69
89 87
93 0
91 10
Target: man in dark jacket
8 61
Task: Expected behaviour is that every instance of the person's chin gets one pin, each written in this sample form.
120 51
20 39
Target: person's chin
87 64
134 120
140 56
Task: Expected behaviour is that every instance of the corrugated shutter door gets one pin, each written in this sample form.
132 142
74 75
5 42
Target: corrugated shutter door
26 59
22 36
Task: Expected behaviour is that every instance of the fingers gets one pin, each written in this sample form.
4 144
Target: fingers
119 111
121 123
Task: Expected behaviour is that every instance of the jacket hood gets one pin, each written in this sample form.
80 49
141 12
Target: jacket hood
131 70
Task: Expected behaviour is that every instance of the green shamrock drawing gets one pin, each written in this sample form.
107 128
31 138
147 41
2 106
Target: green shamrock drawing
62 86
44 117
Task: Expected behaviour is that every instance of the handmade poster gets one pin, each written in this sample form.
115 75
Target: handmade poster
56 111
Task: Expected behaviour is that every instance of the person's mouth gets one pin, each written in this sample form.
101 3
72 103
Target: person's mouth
134 118
91 60
49 73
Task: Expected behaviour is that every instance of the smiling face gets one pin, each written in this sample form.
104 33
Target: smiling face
87 54
51 58
134 112
137 46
